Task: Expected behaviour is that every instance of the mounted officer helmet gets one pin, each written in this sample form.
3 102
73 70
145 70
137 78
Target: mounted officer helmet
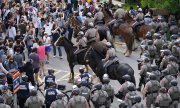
97 8
154 67
126 77
172 58
98 86
1 99
167 52
152 77
89 14
157 35
59 96
106 79
81 33
131 87
91 25
174 36
165 46
25 78
120 5
162 90
108 44
146 59
177 42
33 92
150 42
139 9
51 71
174 82
81 70
137 98
123 105
2 75
76 91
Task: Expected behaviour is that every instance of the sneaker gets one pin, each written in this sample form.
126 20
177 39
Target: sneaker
54 56
61 57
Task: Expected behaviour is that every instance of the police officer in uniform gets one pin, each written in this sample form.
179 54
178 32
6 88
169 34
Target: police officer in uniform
165 54
123 104
146 67
24 91
77 101
124 87
173 67
33 101
119 14
174 93
165 82
151 90
138 103
91 34
2 79
163 100
59 103
89 19
139 19
176 50
110 57
174 37
2 105
109 89
50 94
131 92
98 17
99 97
156 72
152 51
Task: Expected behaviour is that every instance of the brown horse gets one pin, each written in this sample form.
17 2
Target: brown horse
124 29
73 21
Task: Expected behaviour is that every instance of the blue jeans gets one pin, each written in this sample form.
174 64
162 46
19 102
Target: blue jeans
59 50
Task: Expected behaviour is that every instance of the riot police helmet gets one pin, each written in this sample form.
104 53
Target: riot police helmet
25 78
150 42
161 32
51 71
89 14
172 58
139 9
131 87
97 8
81 70
177 42
76 91
157 35
106 79
154 67
59 96
98 86
1 99
126 77
120 5
165 46
137 98
81 33
2 75
162 90
174 82
33 92
152 77
108 44
167 52
174 36
123 105
91 25
146 59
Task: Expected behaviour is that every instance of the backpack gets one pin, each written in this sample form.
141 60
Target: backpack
78 103
84 91
60 104
109 90
34 103
169 78
164 100
102 98
174 93
152 50
154 86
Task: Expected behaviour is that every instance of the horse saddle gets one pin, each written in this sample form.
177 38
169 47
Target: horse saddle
99 22
81 50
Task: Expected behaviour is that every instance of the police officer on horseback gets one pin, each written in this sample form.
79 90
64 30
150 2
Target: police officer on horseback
110 56
98 17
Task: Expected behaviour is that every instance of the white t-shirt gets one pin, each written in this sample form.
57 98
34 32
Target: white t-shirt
46 40
48 28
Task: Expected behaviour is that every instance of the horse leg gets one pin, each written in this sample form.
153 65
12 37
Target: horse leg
71 77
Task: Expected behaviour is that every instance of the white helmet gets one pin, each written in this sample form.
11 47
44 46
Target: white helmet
89 14
97 8
108 44
140 9
91 24
105 76
120 5
81 33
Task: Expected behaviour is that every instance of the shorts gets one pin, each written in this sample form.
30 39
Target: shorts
48 48
36 70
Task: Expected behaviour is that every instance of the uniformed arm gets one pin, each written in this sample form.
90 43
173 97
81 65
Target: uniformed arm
95 16
107 57
142 71
145 90
97 36
3 69
115 14
53 105
27 102
69 104
78 43
87 105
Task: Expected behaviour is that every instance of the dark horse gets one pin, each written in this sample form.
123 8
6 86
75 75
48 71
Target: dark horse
69 48
115 71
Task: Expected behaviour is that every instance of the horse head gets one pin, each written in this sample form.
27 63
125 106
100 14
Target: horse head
108 16
63 41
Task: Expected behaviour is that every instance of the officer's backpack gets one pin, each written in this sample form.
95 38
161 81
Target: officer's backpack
109 90
84 91
102 98
78 102
152 50
169 78
164 100
174 94
154 86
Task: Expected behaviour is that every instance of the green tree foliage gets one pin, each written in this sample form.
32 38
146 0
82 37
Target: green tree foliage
172 5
